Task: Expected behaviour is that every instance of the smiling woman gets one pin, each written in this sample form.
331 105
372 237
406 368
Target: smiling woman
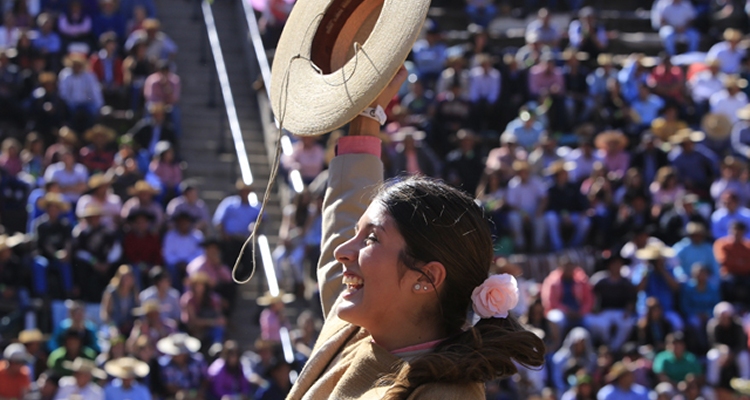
400 266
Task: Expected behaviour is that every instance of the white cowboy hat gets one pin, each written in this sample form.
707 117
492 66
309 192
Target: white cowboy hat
81 364
178 343
127 368
335 57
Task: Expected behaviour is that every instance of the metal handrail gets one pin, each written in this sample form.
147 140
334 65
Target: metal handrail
242 157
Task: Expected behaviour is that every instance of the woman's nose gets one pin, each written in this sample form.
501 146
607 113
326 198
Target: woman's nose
346 252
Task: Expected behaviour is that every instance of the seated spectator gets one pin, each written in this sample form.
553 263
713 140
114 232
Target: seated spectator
201 310
109 20
47 41
728 211
161 290
115 345
654 277
273 318
181 245
502 158
430 55
544 155
668 123
108 67
135 69
82 383
227 376
75 25
452 112
484 92
527 198
32 157
71 176
126 371
587 34
705 84
141 247
526 128
698 297
725 329
416 107
694 248
190 202
234 219
80 90
163 87
72 349
100 195
96 248
151 323
210 263
665 191
15 376
412 155
622 384
119 300
577 353
35 343
694 168
646 106
125 175
143 198
567 295
48 112
9 32
731 99
77 323
455 73
567 210
10 159
54 235
542 27
674 222
728 52
307 157
463 166
182 368
675 363
481 12
168 169
612 147
277 378
648 158
731 170
149 131
615 297
674 23
98 156
545 78
583 160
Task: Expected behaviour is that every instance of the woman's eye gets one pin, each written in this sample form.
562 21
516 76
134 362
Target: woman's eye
371 239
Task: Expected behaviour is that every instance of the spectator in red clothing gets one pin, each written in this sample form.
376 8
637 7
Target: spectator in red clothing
668 81
107 66
15 377
98 156
141 246
732 252
567 295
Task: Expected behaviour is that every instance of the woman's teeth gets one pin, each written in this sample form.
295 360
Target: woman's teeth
353 282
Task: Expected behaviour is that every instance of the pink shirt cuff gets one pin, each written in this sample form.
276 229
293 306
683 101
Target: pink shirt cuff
359 145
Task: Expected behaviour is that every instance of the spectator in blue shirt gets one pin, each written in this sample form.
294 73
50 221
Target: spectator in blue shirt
430 55
694 248
730 210
647 106
47 41
526 128
126 370
181 245
697 300
234 218
622 386
656 279
109 20
694 168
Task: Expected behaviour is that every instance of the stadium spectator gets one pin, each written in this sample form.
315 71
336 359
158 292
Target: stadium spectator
622 386
119 300
567 295
698 297
429 55
126 371
587 34
141 247
577 353
108 66
15 377
100 195
71 176
143 199
80 90
54 235
724 329
73 348
167 168
307 157
109 20
234 218
728 211
527 198
150 323
227 375
674 21
694 248
730 100
615 299
728 53
96 248
183 369
675 363
568 210
201 310
210 263
81 383
694 168
189 201
79 324
161 290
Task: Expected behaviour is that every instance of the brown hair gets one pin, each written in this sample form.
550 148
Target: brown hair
440 223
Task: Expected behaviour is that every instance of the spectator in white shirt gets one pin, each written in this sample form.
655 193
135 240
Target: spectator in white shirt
81 383
728 52
731 99
71 176
9 32
484 90
527 197
181 245
705 84
675 19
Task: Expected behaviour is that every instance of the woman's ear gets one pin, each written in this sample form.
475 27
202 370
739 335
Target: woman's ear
434 276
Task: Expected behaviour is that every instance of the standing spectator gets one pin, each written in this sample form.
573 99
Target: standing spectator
100 194
307 157
201 310
71 176
674 24
126 371
430 55
182 369
732 252
567 295
728 211
568 209
527 197
189 201
234 218
54 237
587 34
615 297
675 363
728 52
484 91
622 384
463 166
730 100
227 376
161 290
81 383
81 90
15 376
96 248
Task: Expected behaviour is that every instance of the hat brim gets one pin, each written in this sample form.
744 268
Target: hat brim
167 346
140 369
266 300
313 103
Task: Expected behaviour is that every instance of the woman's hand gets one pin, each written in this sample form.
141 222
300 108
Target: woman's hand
367 126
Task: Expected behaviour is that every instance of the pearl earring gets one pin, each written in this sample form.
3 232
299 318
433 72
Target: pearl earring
424 287
416 286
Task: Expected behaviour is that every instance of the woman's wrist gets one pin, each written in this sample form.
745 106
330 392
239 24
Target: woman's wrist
364 126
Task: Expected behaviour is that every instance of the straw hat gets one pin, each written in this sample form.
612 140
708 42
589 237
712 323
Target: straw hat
716 126
31 336
617 370
606 137
408 131
741 386
560 166
81 364
127 368
604 59
199 277
695 228
99 129
98 180
732 35
148 306
335 57
91 210
744 113
267 299
55 199
521 165
16 352
735 81
685 135
178 343
142 187
75 59
67 135
655 251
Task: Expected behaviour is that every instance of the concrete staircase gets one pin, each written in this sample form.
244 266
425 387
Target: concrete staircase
211 164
